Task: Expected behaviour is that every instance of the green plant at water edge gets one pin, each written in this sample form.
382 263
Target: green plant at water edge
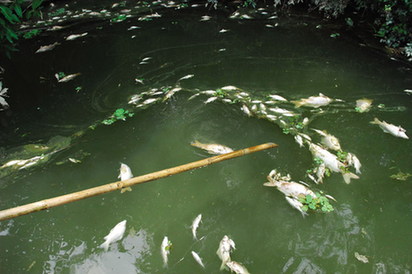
11 15
318 203
119 114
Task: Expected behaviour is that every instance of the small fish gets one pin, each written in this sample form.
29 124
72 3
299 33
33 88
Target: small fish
170 93
277 98
397 131
195 225
246 110
209 92
205 18
354 161
408 91
328 140
75 36
223 30
198 259
115 234
229 88
68 78
320 173
47 47
212 148
363 105
140 81
223 252
146 59
296 204
361 258
186 77
133 27
165 249
150 101
211 99
237 267
289 188
282 111
313 101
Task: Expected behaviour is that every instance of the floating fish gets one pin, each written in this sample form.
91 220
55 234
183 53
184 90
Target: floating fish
246 110
212 148
75 36
282 111
223 252
195 225
397 131
198 259
296 204
186 77
408 91
66 78
354 161
165 249
332 162
313 101
237 267
115 234
229 88
287 187
211 99
170 93
277 98
223 30
133 27
363 105
328 140
361 258
301 138
125 174
205 18
150 101
47 47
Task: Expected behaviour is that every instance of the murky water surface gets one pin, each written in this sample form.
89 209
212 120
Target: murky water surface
292 58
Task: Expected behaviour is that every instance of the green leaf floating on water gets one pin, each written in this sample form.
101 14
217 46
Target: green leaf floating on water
319 203
119 114
401 176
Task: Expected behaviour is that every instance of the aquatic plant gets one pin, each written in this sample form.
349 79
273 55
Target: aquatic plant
119 114
318 203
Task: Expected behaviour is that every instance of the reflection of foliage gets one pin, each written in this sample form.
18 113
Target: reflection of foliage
119 114
318 203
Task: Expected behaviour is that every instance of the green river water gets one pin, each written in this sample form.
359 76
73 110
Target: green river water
294 59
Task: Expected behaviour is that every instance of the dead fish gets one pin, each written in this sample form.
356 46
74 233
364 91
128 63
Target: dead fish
282 111
287 187
212 148
170 93
223 252
328 140
361 258
397 131
408 91
237 267
277 98
140 81
165 250
186 77
296 204
354 161
150 101
209 92
205 18
198 259
133 27
313 101
301 138
363 105
229 88
75 36
223 30
115 234
195 225
246 110
67 78
125 174
47 47
211 99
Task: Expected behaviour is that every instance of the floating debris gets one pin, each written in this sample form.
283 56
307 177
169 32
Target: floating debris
212 148
115 234
361 258
363 105
396 131
75 36
47 47
198 259
400 176
195 225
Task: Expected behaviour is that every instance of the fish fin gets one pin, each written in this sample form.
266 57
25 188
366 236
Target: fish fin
105 245
348 176
297 103
270 184
375 121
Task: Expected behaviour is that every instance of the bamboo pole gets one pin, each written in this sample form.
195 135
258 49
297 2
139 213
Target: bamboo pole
75 196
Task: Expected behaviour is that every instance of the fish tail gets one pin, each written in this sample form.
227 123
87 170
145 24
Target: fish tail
297 103
348 176
105 245
375 121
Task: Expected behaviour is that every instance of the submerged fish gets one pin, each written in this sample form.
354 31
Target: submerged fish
237 267
314 101
198 259
115 234
223 252
212 148
397 131
165 250
363 105
328 140
195 225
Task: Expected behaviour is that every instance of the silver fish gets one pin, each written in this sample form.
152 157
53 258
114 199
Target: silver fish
198 259
363 105
313 101
237 267
289 188
195 225
186 77
354 161
47 47
229 88
223 252
211 99
75 36
296 204
165 250
246 110
115 234
212 148
125 174
277 98
397 131
67 78
328 140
